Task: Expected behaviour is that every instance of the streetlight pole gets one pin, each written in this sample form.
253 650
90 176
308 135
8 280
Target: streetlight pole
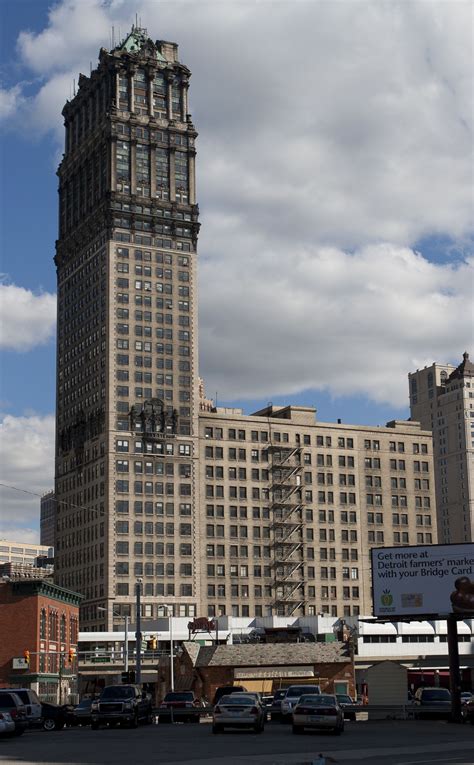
138 635
170 615
125 644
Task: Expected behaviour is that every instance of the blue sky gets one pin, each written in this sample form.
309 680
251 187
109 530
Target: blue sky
336 211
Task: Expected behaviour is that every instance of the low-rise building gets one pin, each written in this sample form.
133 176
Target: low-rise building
39 637
265 667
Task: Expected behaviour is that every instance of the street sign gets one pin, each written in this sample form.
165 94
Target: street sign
20 663
100 659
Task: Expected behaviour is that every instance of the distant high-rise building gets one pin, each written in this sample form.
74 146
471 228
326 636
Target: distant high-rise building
47 519
213 511
23 553
442 400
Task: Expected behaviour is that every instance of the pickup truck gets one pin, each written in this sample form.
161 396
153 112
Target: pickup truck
124 704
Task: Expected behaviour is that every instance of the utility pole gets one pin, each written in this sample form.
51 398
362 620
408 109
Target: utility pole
170 615
60 678
125 643
138 635
454 670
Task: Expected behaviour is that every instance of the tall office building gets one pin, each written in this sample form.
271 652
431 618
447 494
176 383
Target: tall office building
47 518
127 353
215 512
442 399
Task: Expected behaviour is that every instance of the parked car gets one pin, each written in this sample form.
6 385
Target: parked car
82 712
320 711
292 696
468 711
275 709
466 696
10 702
31 702
7 726
121 704
239 710
432 702
227 690
346 702
182 704
56 716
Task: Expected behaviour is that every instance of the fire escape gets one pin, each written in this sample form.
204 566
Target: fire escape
287 529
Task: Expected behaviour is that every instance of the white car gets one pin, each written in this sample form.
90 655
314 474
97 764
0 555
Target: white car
293 695
240 710
320 711
7 726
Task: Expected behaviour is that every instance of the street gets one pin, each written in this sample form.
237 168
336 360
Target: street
390 742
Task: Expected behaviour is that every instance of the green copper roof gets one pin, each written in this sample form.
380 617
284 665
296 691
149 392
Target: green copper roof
136 40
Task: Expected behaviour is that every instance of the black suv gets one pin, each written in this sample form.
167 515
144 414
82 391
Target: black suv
121 704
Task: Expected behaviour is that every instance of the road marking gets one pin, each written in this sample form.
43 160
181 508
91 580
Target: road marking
438 759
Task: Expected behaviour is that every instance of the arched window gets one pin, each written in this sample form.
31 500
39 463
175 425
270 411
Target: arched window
62 634
43 624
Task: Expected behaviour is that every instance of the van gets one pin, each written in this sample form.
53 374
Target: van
31 702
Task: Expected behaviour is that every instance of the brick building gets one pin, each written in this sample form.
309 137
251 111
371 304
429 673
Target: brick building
39 617
265 667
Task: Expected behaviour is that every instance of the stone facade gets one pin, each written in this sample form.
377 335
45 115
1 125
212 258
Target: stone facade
442 399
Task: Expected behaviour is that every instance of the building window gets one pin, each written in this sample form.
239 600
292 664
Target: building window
42 626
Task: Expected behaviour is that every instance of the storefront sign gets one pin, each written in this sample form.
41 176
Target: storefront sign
435 580
244 673
19 663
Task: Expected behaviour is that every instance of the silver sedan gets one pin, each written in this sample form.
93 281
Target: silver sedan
320 711
240 710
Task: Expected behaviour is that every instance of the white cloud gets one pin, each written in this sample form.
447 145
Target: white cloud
26 462
320 318
10 100
26 319
333 136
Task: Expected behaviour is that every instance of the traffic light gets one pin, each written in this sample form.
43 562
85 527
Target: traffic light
125 678
152 643
71 655
26 656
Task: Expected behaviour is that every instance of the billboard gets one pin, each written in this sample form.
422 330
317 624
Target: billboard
423 580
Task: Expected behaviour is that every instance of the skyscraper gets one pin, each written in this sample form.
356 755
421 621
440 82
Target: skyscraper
213 511
127 353
442 399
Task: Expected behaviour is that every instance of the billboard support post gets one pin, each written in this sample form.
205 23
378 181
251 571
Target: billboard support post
454 670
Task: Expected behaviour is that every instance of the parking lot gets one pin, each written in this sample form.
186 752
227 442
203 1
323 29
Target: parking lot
390 743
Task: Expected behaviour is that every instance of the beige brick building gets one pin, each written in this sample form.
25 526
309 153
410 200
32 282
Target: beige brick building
289 508
442 399
212 511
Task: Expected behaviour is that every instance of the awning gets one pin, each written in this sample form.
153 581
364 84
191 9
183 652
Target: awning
261 686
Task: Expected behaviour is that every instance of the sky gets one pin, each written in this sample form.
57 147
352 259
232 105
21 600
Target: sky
335 189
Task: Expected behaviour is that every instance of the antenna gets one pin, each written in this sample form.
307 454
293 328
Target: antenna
113 37
74 87
136 21
90 67
216 401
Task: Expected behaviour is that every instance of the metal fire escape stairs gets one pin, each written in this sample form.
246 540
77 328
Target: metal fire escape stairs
287 538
